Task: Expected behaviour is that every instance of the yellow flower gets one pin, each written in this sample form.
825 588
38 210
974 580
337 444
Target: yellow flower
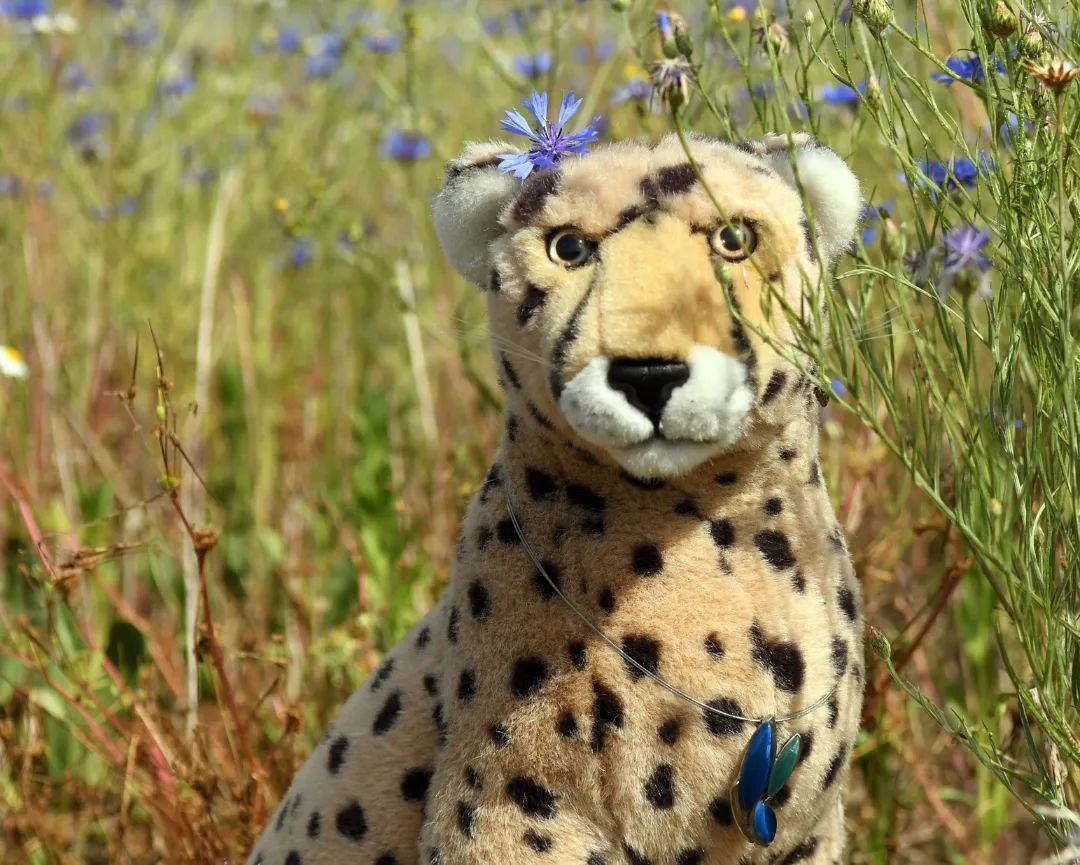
736 14
12 364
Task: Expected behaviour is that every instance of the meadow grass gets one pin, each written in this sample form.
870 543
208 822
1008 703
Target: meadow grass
257 400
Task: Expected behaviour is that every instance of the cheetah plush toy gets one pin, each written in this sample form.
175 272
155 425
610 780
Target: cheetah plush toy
652 595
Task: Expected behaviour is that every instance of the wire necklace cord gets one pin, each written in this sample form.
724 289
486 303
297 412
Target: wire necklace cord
678 692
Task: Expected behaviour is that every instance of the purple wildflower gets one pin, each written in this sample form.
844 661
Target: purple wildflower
532 66
634 90
10 186
964 264
870 215
842 94
288 40
405 146
550 141
320 66
301 252
837 387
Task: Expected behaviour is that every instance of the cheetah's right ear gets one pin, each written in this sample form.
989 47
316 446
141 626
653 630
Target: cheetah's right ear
468 206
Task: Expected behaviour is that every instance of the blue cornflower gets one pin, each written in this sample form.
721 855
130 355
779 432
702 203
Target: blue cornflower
964 264
405 146
74 78
139 36
966 69
532 66
10 186
955 174
550 141
86 128
288 40
870 215
1010 130
842 94
382 42
178 85
837 387
301 252
320 66
24 9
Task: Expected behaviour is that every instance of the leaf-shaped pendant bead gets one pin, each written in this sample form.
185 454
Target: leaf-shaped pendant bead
756 763
763 823
784 765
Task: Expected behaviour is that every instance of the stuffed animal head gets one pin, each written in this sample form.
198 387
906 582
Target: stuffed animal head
627 308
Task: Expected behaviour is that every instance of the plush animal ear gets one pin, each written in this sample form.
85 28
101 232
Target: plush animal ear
468 207
831 189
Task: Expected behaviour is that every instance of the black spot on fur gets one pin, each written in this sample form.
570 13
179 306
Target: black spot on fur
335 756
798 582
834 712
647 561
774 507
781 798
533 799
690 857
533 300
539 843
472 778
387 859
687 508
483 537
440 723
836 538
675 179
534 194
314 824
631 214
542 486
456 169
839 656
775 548
723 532
507 534
660 787
596 859
452 625
835 765
541 583
586 498
568 726
466 816
466 688
512 428
801 853
563 343
787 454
382 674
635 857
528 676
808 241
509 373
593 525
431 685
499 736
539 416
578 656
649 191
643 649
495 283
846 598
776 384
293 858
669 731
782 659
721 725
726 479
607 715
479 600
351 822
807 747
720 811
606 600
714 647
414 785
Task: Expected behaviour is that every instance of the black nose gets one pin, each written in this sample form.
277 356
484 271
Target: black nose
647 384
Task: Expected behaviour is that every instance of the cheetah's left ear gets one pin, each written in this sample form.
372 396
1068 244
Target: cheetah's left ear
467 208
832 190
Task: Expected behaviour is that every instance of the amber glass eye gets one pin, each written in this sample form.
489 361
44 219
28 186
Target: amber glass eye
570 248
734 241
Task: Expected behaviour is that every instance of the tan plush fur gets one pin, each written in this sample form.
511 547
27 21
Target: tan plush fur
502 730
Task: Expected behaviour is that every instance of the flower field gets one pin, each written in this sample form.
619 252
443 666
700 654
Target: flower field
244 401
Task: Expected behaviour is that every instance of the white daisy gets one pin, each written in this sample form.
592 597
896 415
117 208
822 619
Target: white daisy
12 364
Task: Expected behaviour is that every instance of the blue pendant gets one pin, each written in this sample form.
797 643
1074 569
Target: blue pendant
763 772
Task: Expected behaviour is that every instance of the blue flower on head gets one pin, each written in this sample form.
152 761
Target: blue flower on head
24 9
532 66
966 69
550 141
842 94
405 146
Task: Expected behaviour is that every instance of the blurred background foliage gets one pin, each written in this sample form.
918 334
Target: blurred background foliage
243 400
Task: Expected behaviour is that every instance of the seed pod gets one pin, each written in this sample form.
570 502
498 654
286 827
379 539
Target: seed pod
1000 21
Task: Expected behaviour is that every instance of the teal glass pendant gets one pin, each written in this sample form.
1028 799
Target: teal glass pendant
763 772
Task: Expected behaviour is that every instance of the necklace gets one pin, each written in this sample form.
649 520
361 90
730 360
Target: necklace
763 770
